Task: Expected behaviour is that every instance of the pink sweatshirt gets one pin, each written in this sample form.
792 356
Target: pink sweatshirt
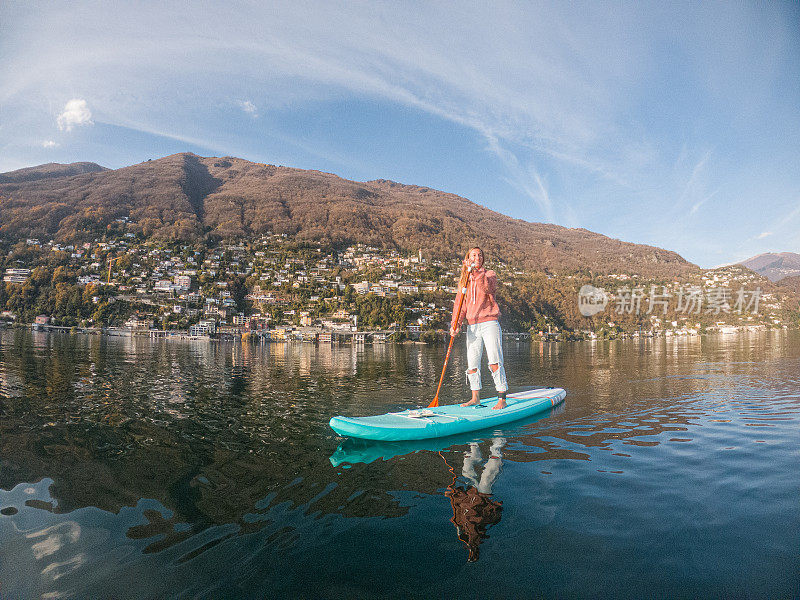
479 303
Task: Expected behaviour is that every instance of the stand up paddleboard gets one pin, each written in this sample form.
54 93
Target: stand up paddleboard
354 450
427 423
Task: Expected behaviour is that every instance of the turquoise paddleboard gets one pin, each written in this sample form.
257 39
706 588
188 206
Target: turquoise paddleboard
427 423
353 450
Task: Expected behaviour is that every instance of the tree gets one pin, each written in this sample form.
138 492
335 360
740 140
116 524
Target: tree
428 336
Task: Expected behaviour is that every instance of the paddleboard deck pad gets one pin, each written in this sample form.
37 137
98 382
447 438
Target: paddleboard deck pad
428 423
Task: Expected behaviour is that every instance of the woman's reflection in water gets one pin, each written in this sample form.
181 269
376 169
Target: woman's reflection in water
473 508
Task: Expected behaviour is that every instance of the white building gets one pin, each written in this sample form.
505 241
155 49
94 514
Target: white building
200 330
204 327
137 323
240 319
362 288
16 275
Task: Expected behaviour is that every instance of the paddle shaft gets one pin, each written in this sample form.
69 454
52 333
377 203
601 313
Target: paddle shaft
462 290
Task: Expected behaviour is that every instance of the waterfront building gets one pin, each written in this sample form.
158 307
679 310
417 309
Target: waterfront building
16 275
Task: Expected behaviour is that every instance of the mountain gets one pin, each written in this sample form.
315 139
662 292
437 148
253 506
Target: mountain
774 265
185 196
791 283
50 171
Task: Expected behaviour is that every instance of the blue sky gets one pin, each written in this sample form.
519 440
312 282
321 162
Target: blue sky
672 124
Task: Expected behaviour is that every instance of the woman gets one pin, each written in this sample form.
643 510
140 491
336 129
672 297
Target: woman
483 328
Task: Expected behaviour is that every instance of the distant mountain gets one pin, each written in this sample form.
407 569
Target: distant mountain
188 197
50 171
774 265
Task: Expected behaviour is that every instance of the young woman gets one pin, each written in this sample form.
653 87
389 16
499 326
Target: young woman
483 328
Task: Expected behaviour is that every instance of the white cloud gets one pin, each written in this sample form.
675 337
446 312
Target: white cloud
76 113
49 144
248 107
763 235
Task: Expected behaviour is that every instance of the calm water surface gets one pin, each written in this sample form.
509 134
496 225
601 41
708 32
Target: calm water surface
139 469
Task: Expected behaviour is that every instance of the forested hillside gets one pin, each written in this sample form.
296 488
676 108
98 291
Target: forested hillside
187 197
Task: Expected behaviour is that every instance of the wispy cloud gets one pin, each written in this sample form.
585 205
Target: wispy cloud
166 133
576 105
696 206
531 185
526 179
556 98
781 226
693 184
789 217
76 113
543 195
224 148
49 144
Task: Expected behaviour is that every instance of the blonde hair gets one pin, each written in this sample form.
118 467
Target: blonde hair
483 260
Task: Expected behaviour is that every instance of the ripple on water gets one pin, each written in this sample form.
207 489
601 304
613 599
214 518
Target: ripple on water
143 468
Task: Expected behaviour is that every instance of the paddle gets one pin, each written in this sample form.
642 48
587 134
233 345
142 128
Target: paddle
462 291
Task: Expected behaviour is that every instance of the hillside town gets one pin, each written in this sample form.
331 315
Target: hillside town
276 288
272 288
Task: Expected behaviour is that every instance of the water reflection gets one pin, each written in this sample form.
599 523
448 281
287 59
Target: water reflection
157 457
474 508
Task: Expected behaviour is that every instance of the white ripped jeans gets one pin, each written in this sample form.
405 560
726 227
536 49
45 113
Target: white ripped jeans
490 335
491 469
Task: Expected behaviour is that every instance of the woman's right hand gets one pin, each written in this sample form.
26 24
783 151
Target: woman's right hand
454 331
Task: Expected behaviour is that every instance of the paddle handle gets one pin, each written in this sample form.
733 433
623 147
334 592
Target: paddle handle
462 291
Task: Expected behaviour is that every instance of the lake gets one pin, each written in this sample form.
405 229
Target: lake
132 468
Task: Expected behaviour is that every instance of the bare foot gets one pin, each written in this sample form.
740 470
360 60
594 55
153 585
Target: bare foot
500 404
471 403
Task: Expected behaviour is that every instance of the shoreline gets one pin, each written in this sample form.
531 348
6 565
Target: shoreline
347 338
